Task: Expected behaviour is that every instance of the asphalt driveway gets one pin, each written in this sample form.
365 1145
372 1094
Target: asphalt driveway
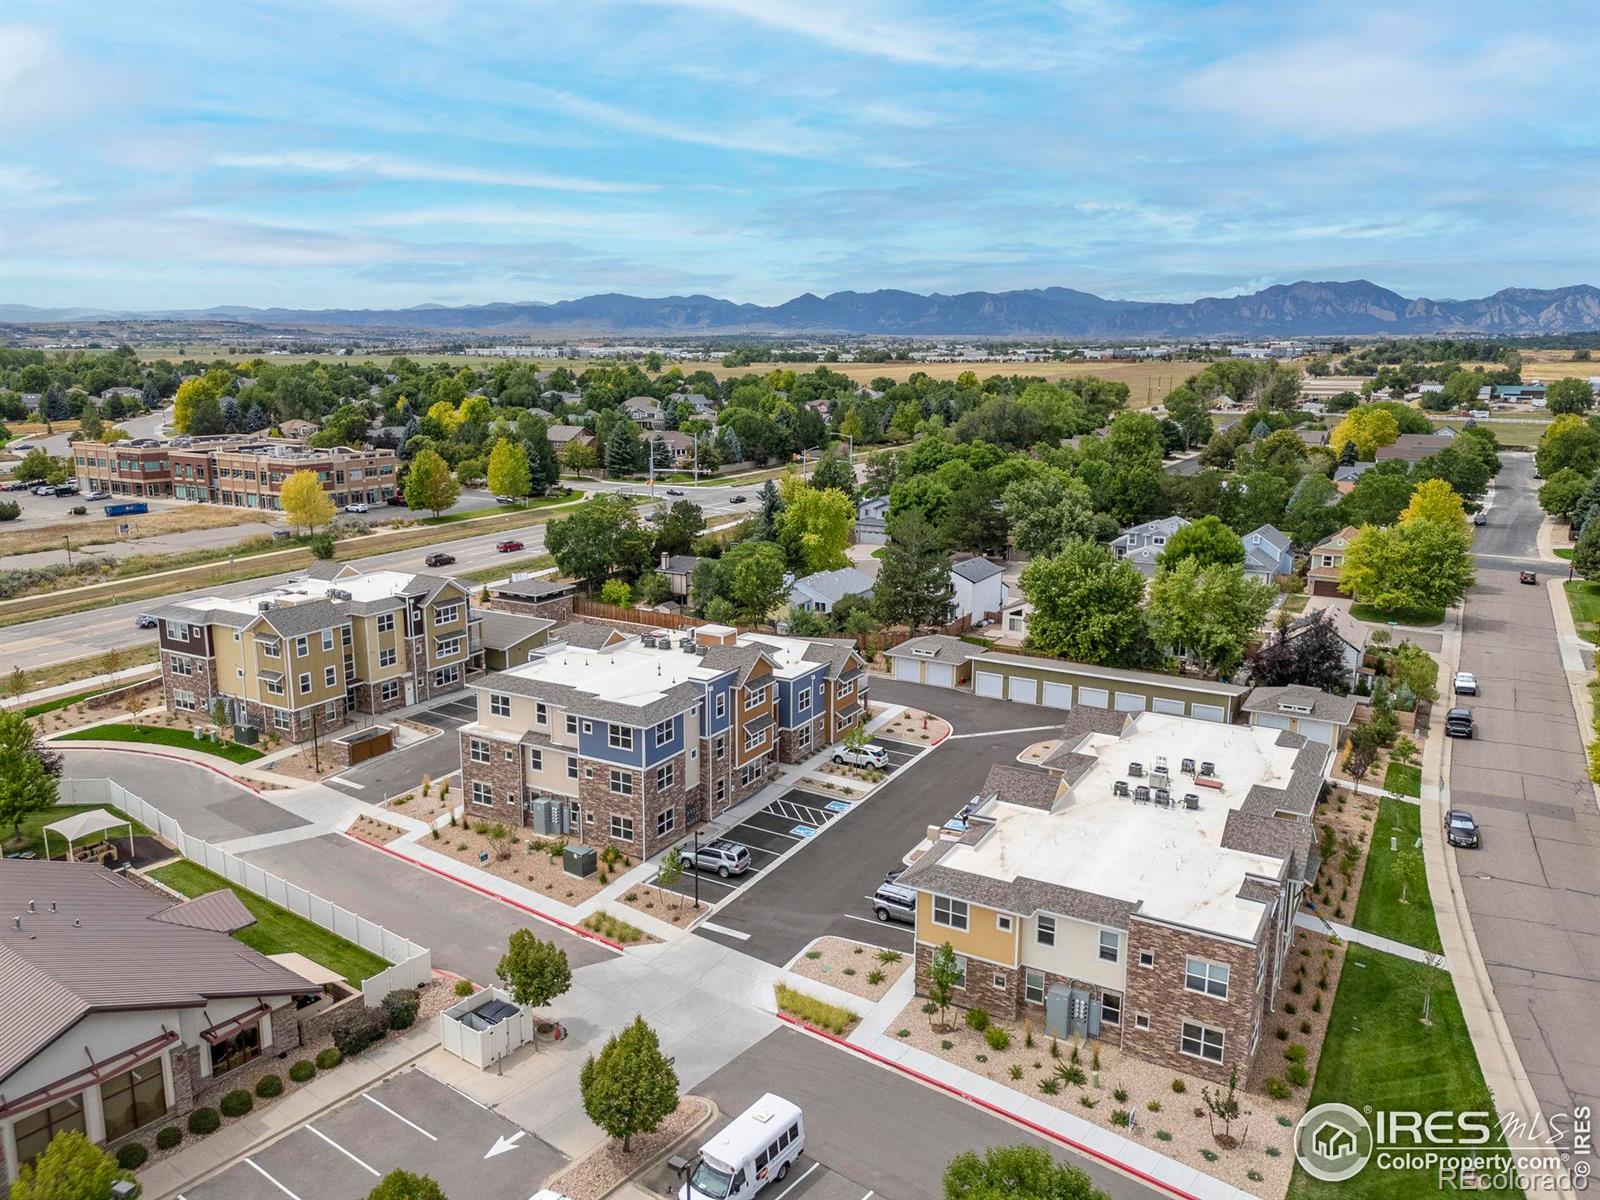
208 805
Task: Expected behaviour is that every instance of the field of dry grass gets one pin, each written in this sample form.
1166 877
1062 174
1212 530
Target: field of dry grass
94 533
21 430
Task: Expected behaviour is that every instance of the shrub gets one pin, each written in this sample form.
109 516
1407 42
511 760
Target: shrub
1288 1007
889 956
946 1044
1072 1075
400 1006
1179 1086
269 1086
132 1156
328 1059
1050 1087
302 1070
1275 1087
813 954
463 987
1163 1136
236 1103
1120 1094
1305 1026
875 976
169 1137
1316 1004
1281 1034
978 1019
1209 1155
10 510
1254 1176
1273 1152
1087 1100
1297 1074
1122 1117
832 1017
1153 1105
903 1033
1295 1053
203 1121
983 1058
997 1037
1016 1071
1285 1122
359 1030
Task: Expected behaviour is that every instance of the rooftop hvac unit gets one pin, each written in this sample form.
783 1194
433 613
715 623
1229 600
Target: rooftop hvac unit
1208 768
686 647
1141 795
338 594
1163 797
1187 766
1119 787
1161 765
1192 802
1135 769
263 605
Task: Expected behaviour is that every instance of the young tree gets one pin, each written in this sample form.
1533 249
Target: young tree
1425 977
403 1185
943 975
1409 870
71 1168
753 573
1208 613
1224 1107
914 587
1360 759
17 683
579 456
429 484
814 527
534 972
671 870
508 470
771 501
28 772
305 504
630 1087
1207 542
1016 1173
1087 606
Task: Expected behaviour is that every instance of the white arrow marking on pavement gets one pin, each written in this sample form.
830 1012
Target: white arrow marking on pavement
502 1144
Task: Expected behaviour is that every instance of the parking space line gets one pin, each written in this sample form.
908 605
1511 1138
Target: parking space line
398 1117
797 1182
874 921
724 930
252 1162
343 1151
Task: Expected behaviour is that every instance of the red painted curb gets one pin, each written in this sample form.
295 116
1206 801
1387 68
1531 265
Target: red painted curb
481 890
131 748
988 1106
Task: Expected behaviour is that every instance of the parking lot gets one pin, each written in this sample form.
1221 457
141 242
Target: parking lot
900 753
411 1121
452 714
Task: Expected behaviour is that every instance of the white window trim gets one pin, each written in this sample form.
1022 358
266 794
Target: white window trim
950 903
499 704
1115 948
1149 955
1222 1048
305 683
477 750
1002 922
620 823
447 614
619 737
1205 973
620 782
663 732
1040 932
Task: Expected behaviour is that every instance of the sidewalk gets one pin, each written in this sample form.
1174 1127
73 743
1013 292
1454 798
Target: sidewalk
1361 937
94 683
209 1155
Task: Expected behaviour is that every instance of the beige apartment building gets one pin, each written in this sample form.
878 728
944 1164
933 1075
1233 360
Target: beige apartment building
303 657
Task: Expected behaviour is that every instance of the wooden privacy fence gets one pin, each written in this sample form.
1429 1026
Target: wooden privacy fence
867 642
413 964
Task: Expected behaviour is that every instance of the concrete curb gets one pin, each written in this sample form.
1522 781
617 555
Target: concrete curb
1577 679
135 748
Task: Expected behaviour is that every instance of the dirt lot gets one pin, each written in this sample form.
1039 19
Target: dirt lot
90 532
850 966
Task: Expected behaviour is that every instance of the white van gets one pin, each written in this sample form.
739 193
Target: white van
757 1147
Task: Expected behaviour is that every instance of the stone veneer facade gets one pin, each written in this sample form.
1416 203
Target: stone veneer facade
202 682
557 608
790 747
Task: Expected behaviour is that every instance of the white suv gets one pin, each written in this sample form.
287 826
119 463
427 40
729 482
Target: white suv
867 756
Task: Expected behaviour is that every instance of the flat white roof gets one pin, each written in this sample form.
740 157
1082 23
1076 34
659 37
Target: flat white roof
626 673
371 585
1170 859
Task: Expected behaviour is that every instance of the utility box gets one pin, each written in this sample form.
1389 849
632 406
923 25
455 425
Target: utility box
579 860
246 735
548 816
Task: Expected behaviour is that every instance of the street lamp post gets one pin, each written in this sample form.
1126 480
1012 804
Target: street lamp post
696 865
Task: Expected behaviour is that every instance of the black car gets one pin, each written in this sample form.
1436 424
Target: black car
439 559
1458 723
736 499
1528 577
1460 829
396 501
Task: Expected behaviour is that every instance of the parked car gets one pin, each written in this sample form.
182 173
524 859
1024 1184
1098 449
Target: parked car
1480 518
509 546
507 500
396 501
867 756
674 491
23 447
737 499
722 856
439 559
1460 829
18 485
44 489
1458 723
98 496
1466 683
891 902
357 507
1528 577
145 621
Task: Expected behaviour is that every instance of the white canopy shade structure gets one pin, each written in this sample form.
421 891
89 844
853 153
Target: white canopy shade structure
82 825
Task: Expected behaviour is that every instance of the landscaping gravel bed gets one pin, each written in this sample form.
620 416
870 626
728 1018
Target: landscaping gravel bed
849 965
601 1170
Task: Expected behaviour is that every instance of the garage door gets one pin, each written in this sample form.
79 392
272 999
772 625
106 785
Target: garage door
1022 689
988 683
1271 720
908 669
941 674
1094 698
1058 695
1171 707
1130 702
1206 712
1315 732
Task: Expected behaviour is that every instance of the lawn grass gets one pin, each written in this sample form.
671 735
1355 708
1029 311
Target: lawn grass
156 736
36 679
505 569
1399 616
1583 597
32 836
47 706
1379 1054
1378 909
277 930
1404 778
1565 552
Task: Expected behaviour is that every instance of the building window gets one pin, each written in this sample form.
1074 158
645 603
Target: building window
275 686
952 914
666 822
802 700
961 971
1002 922
181 666
449 647
1110 945
999 981
133 1099
572 725
344 635
385 622
327 639
665 776
305 682
622 783
755 697
270 649
1147 958
386 657
1200 1041
447 677
281 719
663 733
619 737
389 691
1141 1020
1045 930
722 704
1110 1008
478 751
572 767
721 748
622 828
183 701
302 647
1208 977
482 793
499 705
1033 987
753 738
541 714
34 1131
535 759
236 1051
330 676
722 790
446 614
178 631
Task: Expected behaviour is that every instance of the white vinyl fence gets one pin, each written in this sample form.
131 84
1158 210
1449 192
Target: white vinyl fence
413 964
482 1047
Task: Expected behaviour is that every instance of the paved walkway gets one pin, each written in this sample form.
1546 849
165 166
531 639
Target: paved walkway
1361 937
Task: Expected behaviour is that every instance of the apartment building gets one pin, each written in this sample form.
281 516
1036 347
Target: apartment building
304 656
627 740
239 472
1142 893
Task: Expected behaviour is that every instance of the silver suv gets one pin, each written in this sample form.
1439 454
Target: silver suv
891 902
724 857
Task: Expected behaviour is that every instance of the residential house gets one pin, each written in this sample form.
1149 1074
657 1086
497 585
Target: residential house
819 593
1143 544
1267 553
1316 715
1327 562
979 590
1152 911
678 448
509 639
643 411
679 570
296 428
1349 473
563 435
1014 618
1414 447
120 1004
536 597
1354 637
300 658
702 405
629 740
1313 438
872 520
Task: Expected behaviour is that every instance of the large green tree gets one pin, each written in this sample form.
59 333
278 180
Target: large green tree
630 1086
406 1185
1568 441
534 971
1559 495
753 574
814 527
914 587
508 470
1207 612
1569 396
430 485
28 771
1087 606
1043 511
1206 541
1016 1173
1415 566
602 536
835 472
624 450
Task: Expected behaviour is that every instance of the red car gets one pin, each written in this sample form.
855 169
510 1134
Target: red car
508 547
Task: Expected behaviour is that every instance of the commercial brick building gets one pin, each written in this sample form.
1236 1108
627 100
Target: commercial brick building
635 738
1143 892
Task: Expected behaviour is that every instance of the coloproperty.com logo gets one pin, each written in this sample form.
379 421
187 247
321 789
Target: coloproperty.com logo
1466 1150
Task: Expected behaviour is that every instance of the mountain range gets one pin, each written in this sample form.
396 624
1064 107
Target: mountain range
1356 307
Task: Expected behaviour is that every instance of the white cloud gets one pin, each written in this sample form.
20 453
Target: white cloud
387 166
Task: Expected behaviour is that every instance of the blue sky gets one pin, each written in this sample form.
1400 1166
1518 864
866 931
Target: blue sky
372 155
